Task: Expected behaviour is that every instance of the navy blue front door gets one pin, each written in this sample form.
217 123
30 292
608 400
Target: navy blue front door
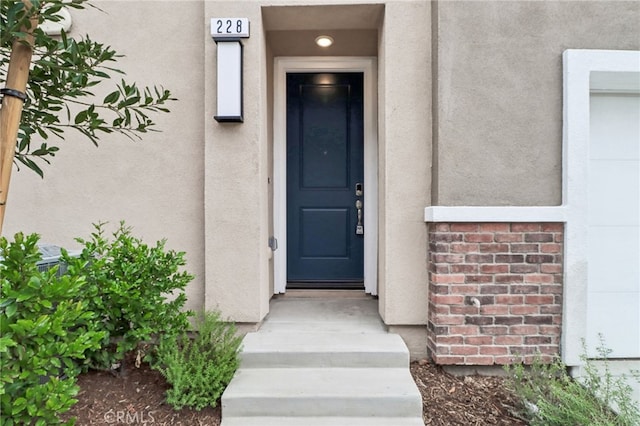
324 164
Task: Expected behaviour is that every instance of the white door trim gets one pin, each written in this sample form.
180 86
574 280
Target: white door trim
368 66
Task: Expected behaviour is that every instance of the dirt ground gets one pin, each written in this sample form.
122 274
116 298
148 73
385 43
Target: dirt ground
138 398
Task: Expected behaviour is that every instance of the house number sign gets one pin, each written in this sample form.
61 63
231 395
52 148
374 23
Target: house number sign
226 28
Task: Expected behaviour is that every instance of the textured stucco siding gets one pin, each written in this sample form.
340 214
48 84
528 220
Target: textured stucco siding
498 135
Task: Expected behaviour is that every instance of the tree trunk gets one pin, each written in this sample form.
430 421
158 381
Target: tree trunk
17 77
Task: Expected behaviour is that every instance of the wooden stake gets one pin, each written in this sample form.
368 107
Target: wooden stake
17 77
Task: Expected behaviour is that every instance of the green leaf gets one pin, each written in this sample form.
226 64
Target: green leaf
112 97
11 310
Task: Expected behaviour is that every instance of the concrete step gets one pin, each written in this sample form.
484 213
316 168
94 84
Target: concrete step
322 421
319 349
322 392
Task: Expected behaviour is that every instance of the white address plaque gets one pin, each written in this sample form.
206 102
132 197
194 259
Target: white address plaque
222 28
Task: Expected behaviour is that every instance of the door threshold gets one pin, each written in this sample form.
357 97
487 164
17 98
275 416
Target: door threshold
350 294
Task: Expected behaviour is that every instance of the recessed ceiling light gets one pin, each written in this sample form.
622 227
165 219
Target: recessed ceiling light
324 41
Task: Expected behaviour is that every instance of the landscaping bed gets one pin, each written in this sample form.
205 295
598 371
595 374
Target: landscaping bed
138 398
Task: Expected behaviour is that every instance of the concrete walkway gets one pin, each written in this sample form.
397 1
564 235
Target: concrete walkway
323 361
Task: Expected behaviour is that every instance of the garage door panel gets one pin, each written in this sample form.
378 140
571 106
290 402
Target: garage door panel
614 258
616 202
616 317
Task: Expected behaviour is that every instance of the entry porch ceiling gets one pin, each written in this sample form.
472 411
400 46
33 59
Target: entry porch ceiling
291 30
326 17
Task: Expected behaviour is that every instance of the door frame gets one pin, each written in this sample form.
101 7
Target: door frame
368 66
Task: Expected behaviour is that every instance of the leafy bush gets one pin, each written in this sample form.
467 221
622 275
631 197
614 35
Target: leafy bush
45 328
200 368
130 286
551 397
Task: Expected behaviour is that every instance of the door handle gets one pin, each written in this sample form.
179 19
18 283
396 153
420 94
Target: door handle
359 227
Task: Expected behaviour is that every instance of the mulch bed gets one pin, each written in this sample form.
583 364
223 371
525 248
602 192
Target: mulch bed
138 398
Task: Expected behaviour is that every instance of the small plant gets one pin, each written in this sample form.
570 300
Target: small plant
45 331
137 291
551 397
199 368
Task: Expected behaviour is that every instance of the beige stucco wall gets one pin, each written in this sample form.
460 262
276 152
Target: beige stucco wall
156 185
499 93
208 187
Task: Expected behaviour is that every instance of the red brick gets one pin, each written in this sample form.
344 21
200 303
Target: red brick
494 248
537 340
509 258
449 320
480 279
525 289
464 248
479 258
478 320
509 278
507 320
479 340
551 248
494 310
538 278
464 227
552 227
508 340
478 360
494 289
551 289
551 268
447 299
495 329
525 227
559 238
464 268
552 330
449 340
438 288
523 329
439 247
464 310
540 258
543 237
465 330
509 299
494 269
494 227
494 350
503 360
509 238
527 248
441 310
463 350
464 289
542 299
448 258
448 360
538 319
445 237
524 310
478 238
449 279
439 227
523 268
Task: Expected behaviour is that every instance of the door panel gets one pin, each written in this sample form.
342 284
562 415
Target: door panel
324 163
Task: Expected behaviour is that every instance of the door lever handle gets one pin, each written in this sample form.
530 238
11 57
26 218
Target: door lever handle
359 227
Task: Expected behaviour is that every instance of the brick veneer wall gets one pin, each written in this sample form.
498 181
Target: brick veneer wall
495 292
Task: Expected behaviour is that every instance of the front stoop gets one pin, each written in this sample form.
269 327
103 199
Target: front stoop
322 378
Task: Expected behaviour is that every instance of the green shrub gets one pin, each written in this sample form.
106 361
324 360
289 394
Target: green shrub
551 397
200 368
45 329
136 290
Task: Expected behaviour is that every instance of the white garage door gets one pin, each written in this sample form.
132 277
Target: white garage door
613 299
